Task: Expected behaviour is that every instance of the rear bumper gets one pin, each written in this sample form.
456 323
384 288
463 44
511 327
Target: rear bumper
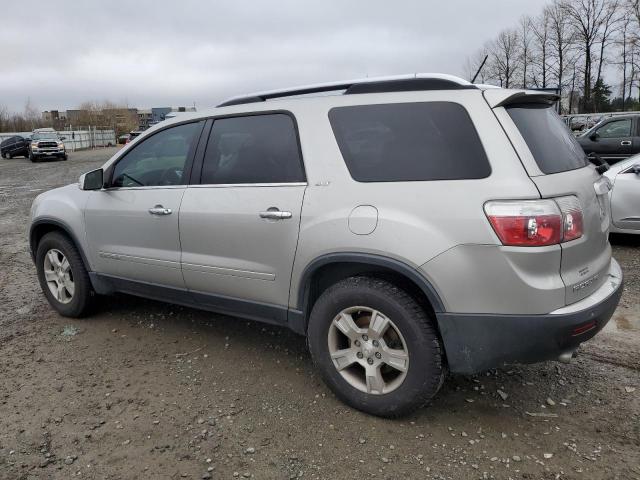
477 342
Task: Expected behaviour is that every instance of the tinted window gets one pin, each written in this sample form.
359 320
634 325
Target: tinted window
547 136
158 160
253 149
615 129
409 141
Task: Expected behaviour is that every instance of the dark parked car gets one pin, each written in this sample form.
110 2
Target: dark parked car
614 138
14 147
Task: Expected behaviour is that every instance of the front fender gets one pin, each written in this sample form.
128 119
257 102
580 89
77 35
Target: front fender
60 209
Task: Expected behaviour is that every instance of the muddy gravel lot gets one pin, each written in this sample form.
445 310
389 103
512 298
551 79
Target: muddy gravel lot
147 390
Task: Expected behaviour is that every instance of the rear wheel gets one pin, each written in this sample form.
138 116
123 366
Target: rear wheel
375 346
9 155
63 276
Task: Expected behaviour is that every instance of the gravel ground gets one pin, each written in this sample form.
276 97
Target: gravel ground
148 390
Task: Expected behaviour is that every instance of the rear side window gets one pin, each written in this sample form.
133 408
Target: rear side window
409 142
547 136
253 149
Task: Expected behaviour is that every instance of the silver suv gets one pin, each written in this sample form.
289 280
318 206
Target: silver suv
408 226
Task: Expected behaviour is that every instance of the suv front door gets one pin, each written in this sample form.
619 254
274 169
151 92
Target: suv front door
239 224
132 224
613 140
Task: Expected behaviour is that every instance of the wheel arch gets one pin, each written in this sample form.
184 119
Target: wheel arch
42 226
331 268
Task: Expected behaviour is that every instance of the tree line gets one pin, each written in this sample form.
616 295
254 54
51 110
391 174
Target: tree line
570 45
106 114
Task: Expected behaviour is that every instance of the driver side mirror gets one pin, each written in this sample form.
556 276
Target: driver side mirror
63 138
93 180
594 136
636 169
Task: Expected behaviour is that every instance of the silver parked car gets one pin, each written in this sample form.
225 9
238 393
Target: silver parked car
408 226
625 195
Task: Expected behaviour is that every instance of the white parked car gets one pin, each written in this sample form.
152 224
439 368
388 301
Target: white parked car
625 195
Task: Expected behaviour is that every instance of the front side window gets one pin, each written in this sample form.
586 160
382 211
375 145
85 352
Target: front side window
615 129
253 149
159 160
409 142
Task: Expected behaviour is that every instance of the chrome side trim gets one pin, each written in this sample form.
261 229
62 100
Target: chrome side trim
232 272
142 260
244 185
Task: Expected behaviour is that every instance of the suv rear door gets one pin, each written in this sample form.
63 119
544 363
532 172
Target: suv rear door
240 218
558 167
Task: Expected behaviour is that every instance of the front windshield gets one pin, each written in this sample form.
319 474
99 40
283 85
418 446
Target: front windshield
45 136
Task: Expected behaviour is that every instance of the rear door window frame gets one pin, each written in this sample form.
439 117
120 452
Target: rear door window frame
198 165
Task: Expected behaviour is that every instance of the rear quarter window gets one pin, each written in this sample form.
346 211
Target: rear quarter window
551 143
409 142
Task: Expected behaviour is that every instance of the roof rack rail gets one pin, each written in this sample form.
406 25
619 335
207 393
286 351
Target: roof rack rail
399 83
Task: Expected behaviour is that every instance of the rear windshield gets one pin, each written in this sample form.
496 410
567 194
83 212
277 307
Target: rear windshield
550 141
409 142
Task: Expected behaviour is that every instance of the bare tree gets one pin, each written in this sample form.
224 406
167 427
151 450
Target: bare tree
541 29
504 58
587 18
610 26
525 33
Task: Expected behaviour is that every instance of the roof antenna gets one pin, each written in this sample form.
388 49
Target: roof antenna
480 68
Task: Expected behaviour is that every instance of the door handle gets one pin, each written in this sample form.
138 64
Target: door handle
275 214
625 143
159 210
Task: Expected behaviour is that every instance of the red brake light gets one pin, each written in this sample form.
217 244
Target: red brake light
530 231
535 223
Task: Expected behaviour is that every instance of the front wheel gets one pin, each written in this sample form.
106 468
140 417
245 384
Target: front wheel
32 157
9 155
375 346
63 277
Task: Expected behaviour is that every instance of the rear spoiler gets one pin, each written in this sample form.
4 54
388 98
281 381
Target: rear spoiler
500 97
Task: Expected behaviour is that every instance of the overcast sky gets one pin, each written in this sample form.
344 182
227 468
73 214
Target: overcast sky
156 53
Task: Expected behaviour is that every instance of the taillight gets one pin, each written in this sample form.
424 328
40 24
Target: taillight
571 217
535 223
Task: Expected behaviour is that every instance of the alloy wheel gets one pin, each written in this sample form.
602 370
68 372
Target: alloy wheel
368 350
58 275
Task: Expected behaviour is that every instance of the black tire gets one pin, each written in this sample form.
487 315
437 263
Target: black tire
426 370
2 155
32 157
65 157
9 155
82 299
